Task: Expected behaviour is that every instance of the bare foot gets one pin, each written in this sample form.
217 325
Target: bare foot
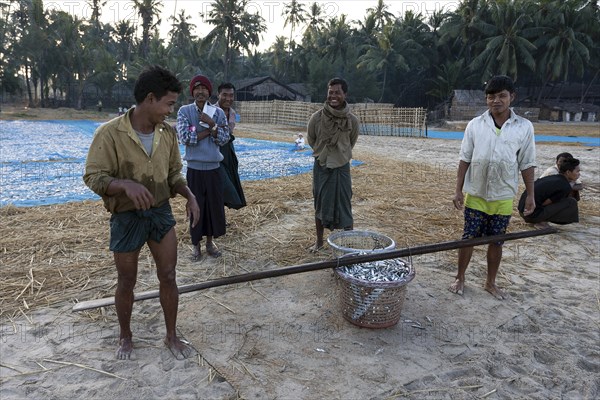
457 287
125 349
213 250
196 253
180 348
315 248
493 289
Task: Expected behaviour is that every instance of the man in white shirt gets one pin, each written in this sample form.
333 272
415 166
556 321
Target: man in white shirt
496 146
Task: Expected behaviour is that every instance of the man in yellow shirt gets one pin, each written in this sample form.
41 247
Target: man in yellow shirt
134 164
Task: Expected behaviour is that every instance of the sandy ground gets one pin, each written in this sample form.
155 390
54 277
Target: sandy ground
285 338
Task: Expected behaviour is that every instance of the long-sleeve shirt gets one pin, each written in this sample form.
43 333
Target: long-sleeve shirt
116 152
201 154
496 156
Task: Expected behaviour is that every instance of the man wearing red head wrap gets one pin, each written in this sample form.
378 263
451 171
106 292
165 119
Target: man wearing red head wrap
202 128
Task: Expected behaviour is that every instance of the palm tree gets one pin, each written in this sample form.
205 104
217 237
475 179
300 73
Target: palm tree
31 21
96 5
278 56
256 64
123 36
383 56
9 58
181 38
294 14
315 22
463 28
234 27
381 15
337 39
446 80
148 10
315 17
507 45
366 31
71 57
564 45
591 12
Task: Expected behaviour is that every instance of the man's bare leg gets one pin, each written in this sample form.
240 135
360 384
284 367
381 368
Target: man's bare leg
464 257
126 264
165 256
320 230
494 256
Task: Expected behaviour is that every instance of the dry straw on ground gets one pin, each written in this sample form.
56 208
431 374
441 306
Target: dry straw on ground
58 253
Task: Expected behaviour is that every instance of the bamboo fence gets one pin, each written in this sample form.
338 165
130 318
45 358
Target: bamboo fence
375 119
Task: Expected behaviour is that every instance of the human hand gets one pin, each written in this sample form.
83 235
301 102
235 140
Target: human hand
207 120
529 205
458 200
141 197
192 210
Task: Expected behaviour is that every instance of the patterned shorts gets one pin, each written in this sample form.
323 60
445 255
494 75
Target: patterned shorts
478 224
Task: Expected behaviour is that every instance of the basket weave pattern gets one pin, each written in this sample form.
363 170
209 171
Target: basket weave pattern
347 242
364 303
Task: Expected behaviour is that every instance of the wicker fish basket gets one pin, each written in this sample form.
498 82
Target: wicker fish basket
348 242
365 303
372 304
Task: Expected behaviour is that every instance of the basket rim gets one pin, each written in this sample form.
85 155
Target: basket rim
362 233
376 284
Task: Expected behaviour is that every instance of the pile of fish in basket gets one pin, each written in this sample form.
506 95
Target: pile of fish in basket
372 293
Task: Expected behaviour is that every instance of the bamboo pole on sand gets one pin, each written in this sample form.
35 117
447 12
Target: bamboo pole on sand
334 263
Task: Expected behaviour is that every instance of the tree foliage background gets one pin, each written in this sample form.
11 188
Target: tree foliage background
410 60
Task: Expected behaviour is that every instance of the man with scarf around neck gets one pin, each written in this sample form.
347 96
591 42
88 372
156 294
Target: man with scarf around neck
332 134
202 135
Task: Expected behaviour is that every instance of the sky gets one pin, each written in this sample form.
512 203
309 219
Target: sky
270 10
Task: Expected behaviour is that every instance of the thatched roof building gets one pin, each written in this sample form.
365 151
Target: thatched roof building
266 88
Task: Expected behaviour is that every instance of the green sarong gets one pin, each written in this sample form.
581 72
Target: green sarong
332 192
129 230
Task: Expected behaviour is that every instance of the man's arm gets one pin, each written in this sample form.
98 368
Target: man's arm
186 131
311 134
528 178
192 209
221 135
354 132
459 198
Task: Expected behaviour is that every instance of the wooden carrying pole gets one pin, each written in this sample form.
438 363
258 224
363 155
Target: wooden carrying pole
338 262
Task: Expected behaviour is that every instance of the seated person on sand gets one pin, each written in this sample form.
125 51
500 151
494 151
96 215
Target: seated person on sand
553 170
553 202
300 142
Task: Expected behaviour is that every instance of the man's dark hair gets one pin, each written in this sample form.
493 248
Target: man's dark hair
499 83
225 85
564 155
567 164
339 81
155 79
